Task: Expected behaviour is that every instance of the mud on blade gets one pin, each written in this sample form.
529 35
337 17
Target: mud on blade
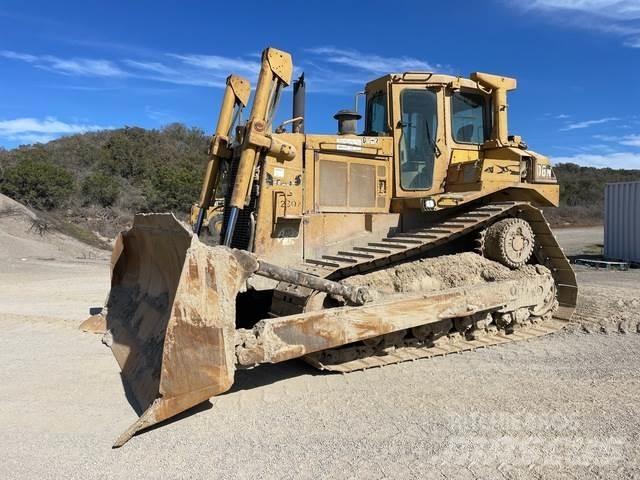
171 318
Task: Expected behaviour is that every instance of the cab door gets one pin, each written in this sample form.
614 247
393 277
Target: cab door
419 135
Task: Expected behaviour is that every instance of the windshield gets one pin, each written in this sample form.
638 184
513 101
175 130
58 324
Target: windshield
418 140
467 116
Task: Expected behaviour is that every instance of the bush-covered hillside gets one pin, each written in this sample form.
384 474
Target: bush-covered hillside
582 193
98 180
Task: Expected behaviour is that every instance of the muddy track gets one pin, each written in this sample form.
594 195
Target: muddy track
400 247
406 246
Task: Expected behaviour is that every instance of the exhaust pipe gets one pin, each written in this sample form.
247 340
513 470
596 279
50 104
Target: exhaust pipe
299 93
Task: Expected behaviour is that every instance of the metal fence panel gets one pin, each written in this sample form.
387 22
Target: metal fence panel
622 221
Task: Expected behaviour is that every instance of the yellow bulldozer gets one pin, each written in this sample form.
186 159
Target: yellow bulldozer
419 237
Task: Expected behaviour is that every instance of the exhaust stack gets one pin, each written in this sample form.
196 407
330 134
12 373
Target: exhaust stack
299 94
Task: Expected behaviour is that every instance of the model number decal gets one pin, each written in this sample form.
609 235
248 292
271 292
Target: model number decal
286 201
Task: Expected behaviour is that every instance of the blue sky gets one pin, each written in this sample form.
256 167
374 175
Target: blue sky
72 66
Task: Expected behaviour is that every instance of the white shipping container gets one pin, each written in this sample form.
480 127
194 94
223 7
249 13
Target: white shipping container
622 221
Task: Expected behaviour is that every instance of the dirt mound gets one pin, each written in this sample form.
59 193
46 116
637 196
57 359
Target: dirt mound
24 235
605 309
438 273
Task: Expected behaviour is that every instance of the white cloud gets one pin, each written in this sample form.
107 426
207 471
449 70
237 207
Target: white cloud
334 70
626 140
25 57
328 69
615 9
631 140
617 17
588 123
82 67
31 130
629 160
72 66
217 63
155 67
557 116
606 138
367 61
175 74
197 70
85 88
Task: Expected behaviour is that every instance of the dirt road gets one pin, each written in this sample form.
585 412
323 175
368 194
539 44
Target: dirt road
563 406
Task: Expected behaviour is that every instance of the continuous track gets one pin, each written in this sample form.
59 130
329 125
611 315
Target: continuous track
360 357
405 246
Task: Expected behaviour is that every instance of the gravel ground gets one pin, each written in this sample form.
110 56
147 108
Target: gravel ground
575 240
562 406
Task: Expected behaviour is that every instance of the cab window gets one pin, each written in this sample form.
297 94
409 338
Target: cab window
468 117
376 123
418 138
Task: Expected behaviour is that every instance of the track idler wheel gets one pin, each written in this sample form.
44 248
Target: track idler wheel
509 242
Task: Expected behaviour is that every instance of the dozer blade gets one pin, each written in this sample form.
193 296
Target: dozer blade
171 317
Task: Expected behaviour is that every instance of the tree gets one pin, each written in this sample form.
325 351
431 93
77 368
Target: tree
173 186
38 183
100 189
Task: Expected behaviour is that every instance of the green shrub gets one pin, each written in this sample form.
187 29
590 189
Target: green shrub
100 189
173 186
38 183
127 152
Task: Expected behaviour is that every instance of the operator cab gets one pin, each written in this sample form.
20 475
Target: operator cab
430 117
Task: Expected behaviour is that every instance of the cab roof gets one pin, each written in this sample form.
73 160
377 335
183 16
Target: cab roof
424 78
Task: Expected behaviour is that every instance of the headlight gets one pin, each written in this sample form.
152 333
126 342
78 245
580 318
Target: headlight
428 203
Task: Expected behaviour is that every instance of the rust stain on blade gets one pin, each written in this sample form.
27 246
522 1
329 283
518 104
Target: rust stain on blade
171 318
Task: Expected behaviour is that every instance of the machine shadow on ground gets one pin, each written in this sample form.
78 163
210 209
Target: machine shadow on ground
267 374
260 376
